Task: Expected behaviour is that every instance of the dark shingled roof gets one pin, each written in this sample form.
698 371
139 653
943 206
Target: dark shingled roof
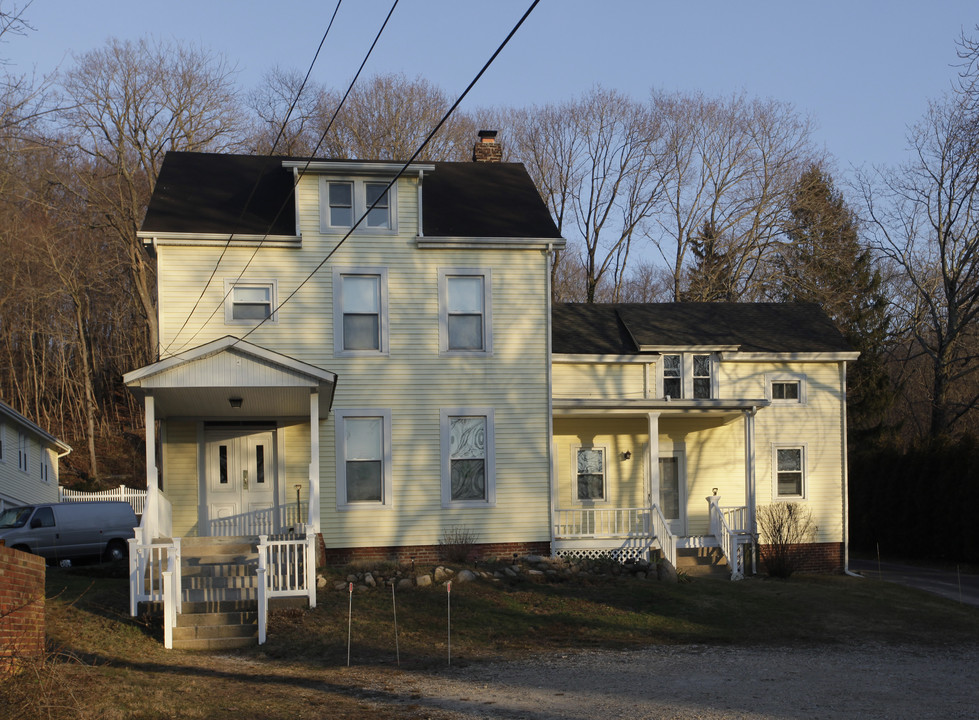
206 193
619 328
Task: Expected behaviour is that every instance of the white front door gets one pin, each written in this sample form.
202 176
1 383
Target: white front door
240 481
673 492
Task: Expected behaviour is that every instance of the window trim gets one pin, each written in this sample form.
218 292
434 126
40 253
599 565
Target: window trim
23 452
804 450
786 377
360 205
387 486
383 317
686 375
229 301
444 273
445 417
588 502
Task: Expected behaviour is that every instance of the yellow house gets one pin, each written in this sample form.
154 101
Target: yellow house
356 359
674 422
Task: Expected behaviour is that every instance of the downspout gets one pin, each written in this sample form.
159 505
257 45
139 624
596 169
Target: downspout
846 476
750 481
551 479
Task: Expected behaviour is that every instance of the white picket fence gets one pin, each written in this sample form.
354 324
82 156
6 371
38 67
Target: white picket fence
136 498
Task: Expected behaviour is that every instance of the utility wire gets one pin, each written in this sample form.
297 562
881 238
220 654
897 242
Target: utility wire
401 172
302 172
251 194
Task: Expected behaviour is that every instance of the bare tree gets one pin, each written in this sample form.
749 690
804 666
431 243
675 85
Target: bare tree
594 160
925 220
128 103
729 165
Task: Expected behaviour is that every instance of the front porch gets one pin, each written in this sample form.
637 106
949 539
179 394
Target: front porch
636 533
232 522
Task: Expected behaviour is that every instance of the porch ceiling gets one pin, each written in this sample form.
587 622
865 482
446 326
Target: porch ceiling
621 406
214 402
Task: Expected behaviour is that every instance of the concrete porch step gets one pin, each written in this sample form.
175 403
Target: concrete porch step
239 617
191 581
702 562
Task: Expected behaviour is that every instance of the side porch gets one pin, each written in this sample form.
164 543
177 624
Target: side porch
641 478
232 521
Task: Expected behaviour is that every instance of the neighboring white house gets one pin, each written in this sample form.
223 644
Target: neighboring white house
28 460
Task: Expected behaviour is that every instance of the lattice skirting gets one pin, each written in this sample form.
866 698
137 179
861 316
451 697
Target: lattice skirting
617 554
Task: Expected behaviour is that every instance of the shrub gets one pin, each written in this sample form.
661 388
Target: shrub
784 526
458 544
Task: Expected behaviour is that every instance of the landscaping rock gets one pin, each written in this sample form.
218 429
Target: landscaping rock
465 576
369 580
320 581
423 580
443 573
665 572
406 584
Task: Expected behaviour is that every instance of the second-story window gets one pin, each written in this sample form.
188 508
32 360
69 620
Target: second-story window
360 311
465 317
378 216
341 199
249 302
22 448
687 375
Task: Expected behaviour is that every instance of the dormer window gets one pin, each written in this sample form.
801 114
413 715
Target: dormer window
343 202
688 375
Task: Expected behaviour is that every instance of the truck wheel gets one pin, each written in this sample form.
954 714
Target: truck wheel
115 551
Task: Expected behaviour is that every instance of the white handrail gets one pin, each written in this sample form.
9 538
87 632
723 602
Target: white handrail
267 521
667 540
148 562
721 530
286 568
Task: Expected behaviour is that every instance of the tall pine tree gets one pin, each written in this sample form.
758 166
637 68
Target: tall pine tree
711 279
824 262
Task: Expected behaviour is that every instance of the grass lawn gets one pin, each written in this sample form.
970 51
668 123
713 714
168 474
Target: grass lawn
104 664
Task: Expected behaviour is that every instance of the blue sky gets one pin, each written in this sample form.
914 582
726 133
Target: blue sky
863 70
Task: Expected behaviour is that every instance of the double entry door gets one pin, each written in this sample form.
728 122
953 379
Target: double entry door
240 481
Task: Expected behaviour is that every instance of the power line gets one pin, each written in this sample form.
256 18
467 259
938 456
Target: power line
288 198
400 172
251 194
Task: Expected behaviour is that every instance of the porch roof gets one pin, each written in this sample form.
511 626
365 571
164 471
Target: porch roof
209 380
620 406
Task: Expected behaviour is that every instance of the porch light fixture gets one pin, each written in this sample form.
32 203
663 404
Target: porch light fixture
627 454
235 402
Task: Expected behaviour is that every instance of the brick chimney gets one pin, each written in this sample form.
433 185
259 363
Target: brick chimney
486 148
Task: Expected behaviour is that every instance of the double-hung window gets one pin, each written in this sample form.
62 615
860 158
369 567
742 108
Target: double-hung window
687 375
468 457
786 388
789 464
249 302
590 473
45 466
344 202
465 312
23 446
363 440
360 311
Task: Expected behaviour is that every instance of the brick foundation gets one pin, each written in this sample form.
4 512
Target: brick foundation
426 553
815 557
21 607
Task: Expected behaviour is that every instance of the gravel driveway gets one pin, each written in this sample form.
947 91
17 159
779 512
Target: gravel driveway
703 682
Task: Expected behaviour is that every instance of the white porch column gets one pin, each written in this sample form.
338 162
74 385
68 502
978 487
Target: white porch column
749 480
313 521
152 504
652 420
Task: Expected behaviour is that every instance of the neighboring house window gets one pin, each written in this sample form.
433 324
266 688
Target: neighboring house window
790 471
360 311
45 466
249 302
344 202
22 447
363 457
786 389
465 317
688 375
468 457
590 474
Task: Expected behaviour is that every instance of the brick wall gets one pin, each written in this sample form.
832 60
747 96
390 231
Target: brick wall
427 553
816 557
21 606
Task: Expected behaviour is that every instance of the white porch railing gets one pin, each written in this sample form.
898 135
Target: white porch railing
286 568
148 562
136 498
727 536
615 523
269 521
